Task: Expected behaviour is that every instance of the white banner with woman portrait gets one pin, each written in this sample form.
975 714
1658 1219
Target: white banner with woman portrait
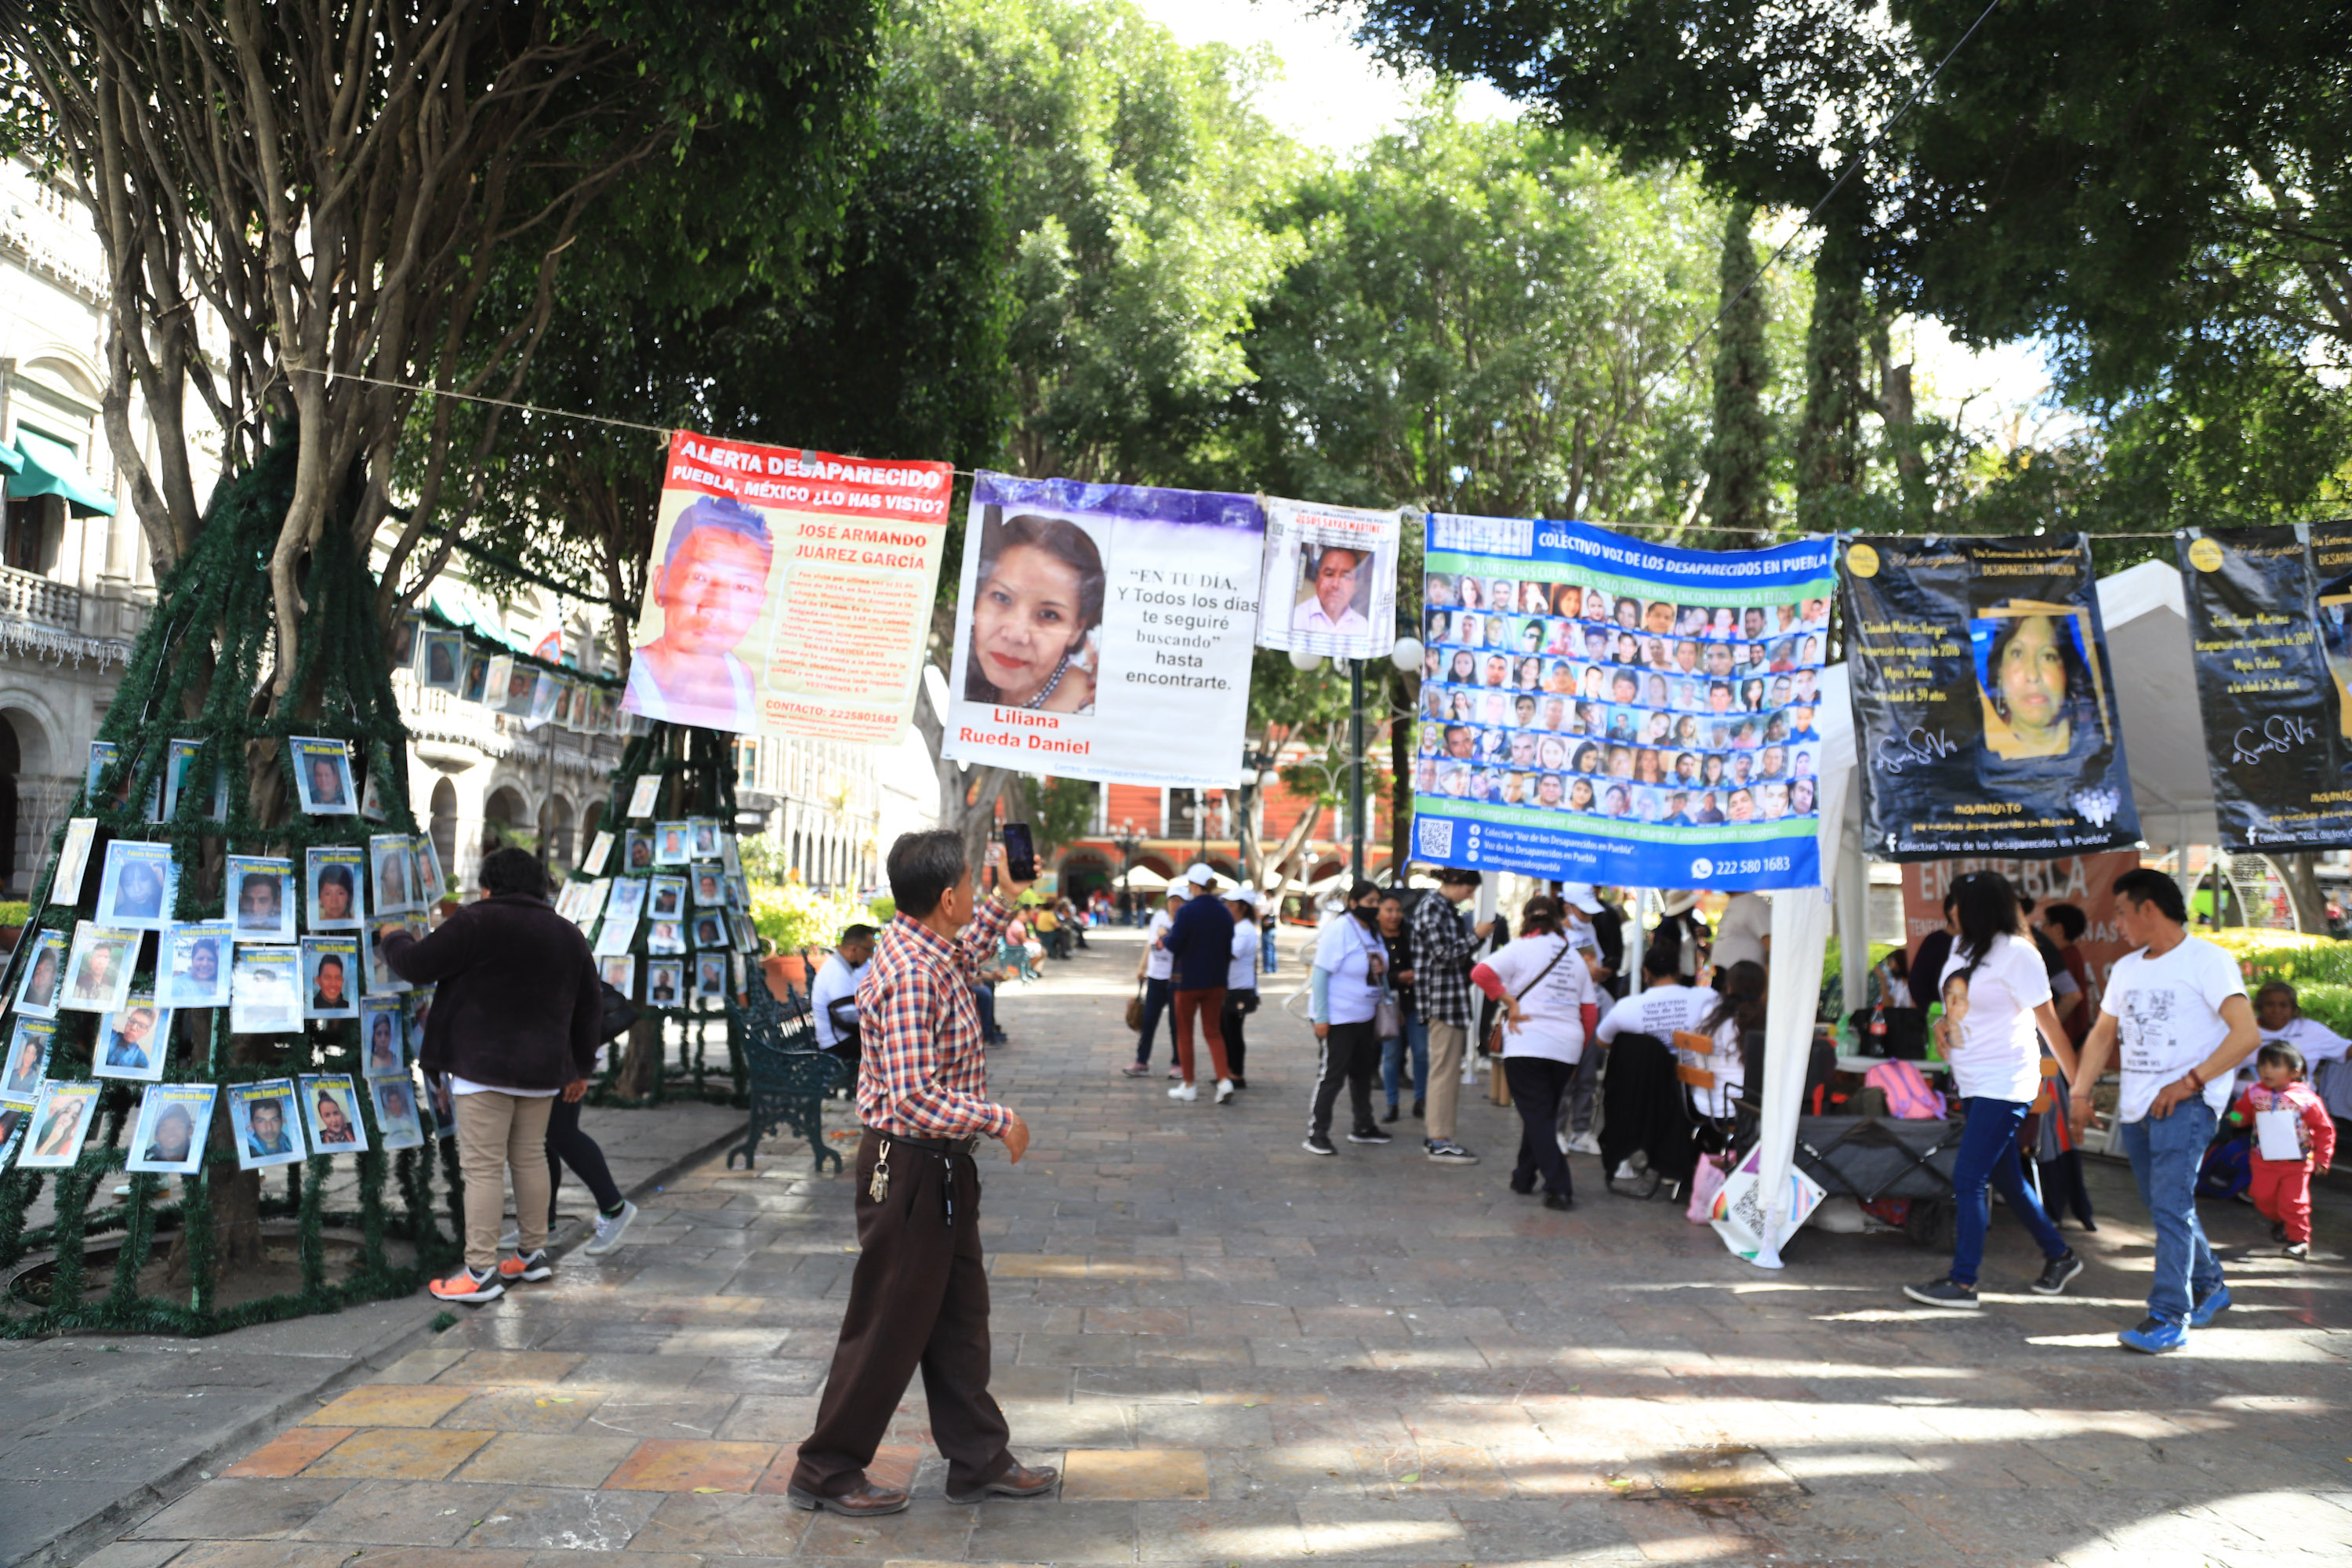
1104 631
1330 579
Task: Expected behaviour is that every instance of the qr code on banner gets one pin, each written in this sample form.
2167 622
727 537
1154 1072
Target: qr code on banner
1434 836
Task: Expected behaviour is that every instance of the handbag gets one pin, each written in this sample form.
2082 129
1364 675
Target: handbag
617 1014
1494 1035
1135 1009
1388 1017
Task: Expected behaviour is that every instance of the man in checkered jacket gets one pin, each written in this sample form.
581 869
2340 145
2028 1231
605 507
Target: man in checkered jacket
1445 946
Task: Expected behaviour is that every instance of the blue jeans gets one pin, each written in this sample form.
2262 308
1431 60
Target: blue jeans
984 997
1156 996
1416 1034
2164 1158
1989 1155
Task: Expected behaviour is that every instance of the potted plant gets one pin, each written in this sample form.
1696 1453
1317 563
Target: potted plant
791 919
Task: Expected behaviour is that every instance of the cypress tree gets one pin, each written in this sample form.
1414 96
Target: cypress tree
1739 452
1829 438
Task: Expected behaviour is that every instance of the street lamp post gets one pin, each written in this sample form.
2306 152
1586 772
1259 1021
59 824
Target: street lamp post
1355 766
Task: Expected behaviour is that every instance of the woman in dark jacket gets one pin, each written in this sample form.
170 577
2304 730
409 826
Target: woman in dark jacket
515 1007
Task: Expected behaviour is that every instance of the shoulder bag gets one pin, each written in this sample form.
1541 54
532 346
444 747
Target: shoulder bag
1135 1007
1495 1035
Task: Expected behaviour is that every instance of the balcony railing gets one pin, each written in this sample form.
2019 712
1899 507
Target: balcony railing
30 596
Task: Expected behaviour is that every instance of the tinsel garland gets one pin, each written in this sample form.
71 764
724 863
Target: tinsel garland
213 632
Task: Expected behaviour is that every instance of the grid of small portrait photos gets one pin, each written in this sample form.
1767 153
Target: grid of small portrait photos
1570 700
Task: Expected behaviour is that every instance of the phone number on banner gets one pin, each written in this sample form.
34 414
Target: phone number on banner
1446 833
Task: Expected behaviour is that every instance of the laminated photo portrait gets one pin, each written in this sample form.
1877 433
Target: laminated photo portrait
180 775
12 1130
703 835
441 662
134 891
382 1038
639 854
60 1121
442 1102
323 776
103 756
665 982
97 970
396 1113
642 795
710 977
331 1113
38 994
263 1125
333 876
28 1060
600 850
709 929
192 970
73 860
396 866
620 972
133 1043
673 843
264 999
377 978
168 1138
669 900
665 936
260 897
709 887
477 678
331 976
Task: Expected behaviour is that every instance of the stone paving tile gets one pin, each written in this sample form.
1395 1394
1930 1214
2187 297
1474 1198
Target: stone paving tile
559 1518
241 1511
1133 1475
565 1459
399 1513
387 1405
667 1464
287 1453
394 1454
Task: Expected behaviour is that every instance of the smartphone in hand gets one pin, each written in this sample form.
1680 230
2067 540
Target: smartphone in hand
1020 853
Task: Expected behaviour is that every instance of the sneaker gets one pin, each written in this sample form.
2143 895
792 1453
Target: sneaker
1184 1091
527 1268
1944 1292
1135 1070
610 1228
468 1285
1369 1135
1391 1114
1416 1111
1559 1200
1582 1144
2298 1250
2154 1337
1225 1090
1317 1144
2056 1274
1446 1152
511 1239
1240 1082
2202 1315
1176 1072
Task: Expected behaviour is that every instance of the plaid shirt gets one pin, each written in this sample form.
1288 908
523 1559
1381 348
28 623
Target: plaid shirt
923 1073
1442 948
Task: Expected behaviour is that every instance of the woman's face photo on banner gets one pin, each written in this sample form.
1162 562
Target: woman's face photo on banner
1036 614
2040 697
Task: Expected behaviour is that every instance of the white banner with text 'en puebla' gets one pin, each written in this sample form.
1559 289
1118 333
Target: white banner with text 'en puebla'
1598 709
1104 631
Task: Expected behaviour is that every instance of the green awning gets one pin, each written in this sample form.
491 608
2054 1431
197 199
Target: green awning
50 468
10 461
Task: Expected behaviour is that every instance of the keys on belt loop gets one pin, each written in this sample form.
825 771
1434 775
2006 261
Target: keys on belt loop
879 1187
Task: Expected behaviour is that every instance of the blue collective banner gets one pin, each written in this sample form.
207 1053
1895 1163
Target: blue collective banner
1599 709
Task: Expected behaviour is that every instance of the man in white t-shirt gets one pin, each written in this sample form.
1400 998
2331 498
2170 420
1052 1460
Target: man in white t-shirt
836 982
1744 935
1158 968
2180 1014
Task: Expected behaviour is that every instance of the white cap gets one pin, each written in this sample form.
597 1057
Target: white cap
1199 876
1581 895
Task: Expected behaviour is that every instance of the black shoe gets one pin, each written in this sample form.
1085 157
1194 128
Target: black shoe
1944 1292
1392 1116
1316 1143
1368 1133
1559 1200
1416 1111
1527 1191
2055 1275
2278 1230
1240 1082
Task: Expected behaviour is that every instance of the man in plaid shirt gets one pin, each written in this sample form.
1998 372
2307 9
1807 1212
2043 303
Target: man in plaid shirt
920 1294
1444 948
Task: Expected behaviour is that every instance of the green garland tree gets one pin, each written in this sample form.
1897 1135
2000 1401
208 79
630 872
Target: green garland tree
203 669
1739 447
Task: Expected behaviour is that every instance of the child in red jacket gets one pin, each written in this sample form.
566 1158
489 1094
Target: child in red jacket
2281 1188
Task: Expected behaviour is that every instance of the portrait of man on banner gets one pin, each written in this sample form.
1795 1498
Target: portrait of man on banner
1336 584
710 587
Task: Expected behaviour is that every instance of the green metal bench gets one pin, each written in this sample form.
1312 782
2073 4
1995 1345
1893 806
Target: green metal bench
790 1077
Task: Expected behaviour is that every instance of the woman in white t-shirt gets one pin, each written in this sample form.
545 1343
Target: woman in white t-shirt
1996 996
1543 987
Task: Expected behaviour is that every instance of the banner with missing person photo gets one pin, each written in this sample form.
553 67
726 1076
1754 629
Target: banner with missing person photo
1595 707
2268 632
791 591
1984 705
1104 631
1330 581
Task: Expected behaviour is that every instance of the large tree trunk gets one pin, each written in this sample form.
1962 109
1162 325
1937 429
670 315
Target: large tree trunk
1739 447
2301 875
1828 438
641 1063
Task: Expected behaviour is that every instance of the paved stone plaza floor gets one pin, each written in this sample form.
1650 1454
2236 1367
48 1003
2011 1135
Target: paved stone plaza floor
1240 1353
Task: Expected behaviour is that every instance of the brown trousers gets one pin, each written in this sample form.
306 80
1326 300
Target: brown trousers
919 1297
497 1133
1205 1004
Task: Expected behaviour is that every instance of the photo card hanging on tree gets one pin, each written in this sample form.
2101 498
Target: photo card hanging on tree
665 982
60 1121
73 860
97 972
710 977
673 843
619 970
669 900
264 999
103 754
192 965
377 785
28 1060
38 993
709 887
179 759
329 975
335 874
384 1035
600 849
643 795
168 1138
442 1101
12 1130
395 1111
395 867
260 891
442 660
322 775
639 856
134 891
477 676
133 1043
331 1112
263 1125
709 929
404 641
705 834
665 936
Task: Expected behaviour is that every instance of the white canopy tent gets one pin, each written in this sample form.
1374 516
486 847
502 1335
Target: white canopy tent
2147 626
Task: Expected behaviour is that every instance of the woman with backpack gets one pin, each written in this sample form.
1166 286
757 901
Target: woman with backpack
1996 995
1544 987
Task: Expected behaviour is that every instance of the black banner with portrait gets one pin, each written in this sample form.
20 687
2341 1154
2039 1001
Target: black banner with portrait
1984 712
2267 631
